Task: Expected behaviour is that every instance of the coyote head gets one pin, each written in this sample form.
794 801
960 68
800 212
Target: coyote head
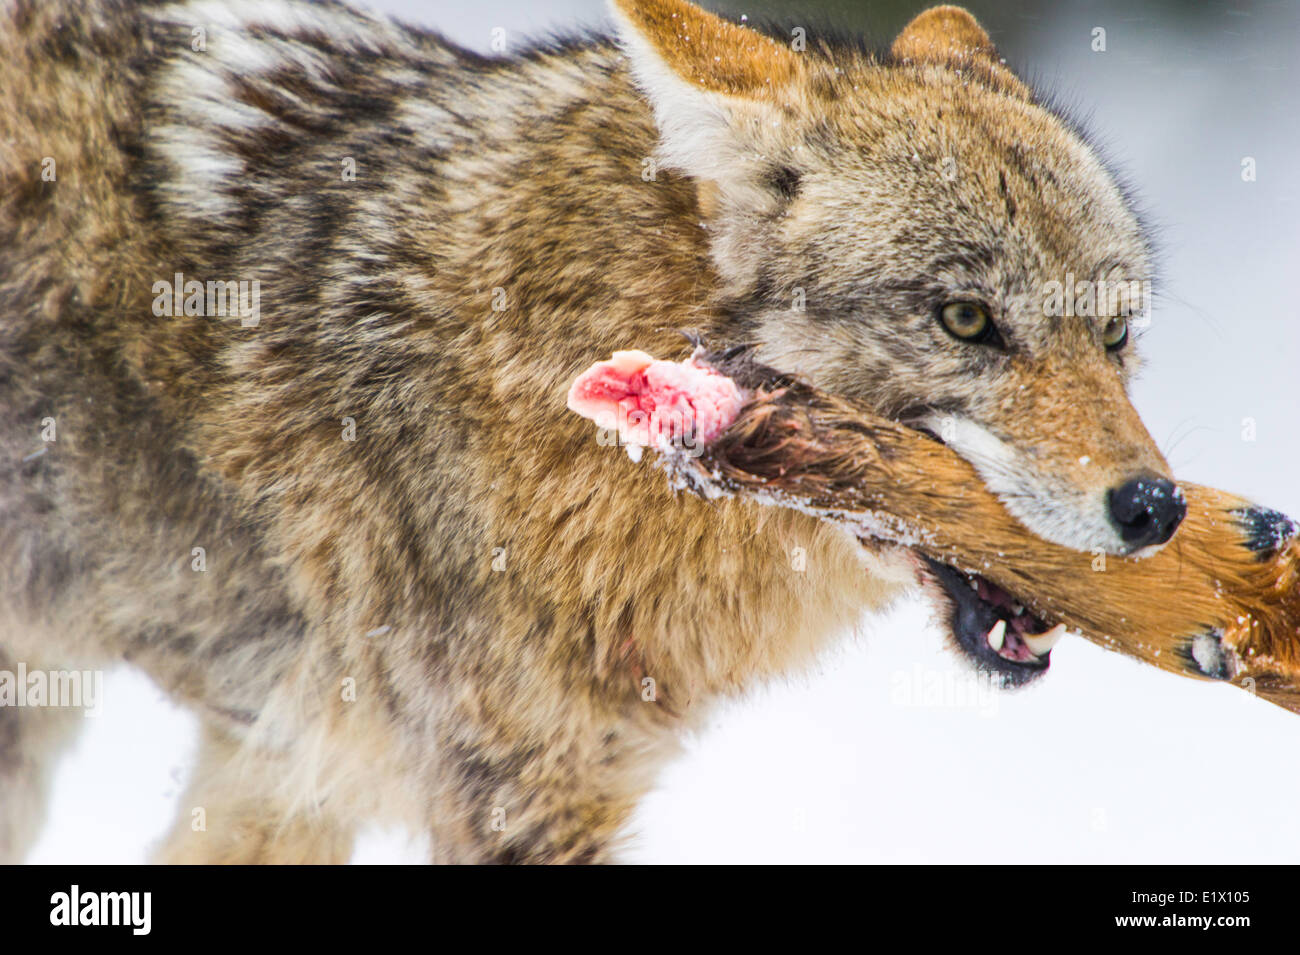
918 231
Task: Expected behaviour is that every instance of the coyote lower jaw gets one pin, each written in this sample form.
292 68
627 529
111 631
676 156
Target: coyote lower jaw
991 626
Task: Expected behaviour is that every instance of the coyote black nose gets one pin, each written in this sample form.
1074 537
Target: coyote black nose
1147 510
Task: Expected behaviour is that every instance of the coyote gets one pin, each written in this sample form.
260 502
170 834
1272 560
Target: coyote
290 300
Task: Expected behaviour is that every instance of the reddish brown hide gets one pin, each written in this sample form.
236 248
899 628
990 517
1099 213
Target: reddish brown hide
1221 601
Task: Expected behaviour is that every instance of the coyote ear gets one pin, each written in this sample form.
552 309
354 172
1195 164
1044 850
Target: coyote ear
949 36
712 85
701 49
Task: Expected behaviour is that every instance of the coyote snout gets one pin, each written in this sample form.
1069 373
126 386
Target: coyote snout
1067 454
1147 510
1121 515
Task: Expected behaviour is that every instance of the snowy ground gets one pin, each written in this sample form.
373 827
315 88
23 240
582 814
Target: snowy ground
889 753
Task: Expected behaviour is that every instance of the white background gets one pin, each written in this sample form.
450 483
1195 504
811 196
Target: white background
1105 759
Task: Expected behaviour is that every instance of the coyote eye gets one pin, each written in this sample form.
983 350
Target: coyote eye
969 322
1115 334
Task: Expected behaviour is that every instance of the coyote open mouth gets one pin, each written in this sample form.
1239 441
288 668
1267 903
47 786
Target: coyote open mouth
991 626
994 629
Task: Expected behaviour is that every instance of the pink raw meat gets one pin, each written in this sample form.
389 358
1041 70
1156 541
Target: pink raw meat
656 404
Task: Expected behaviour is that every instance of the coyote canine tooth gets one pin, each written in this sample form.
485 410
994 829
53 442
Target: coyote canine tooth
1042 644
998 634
